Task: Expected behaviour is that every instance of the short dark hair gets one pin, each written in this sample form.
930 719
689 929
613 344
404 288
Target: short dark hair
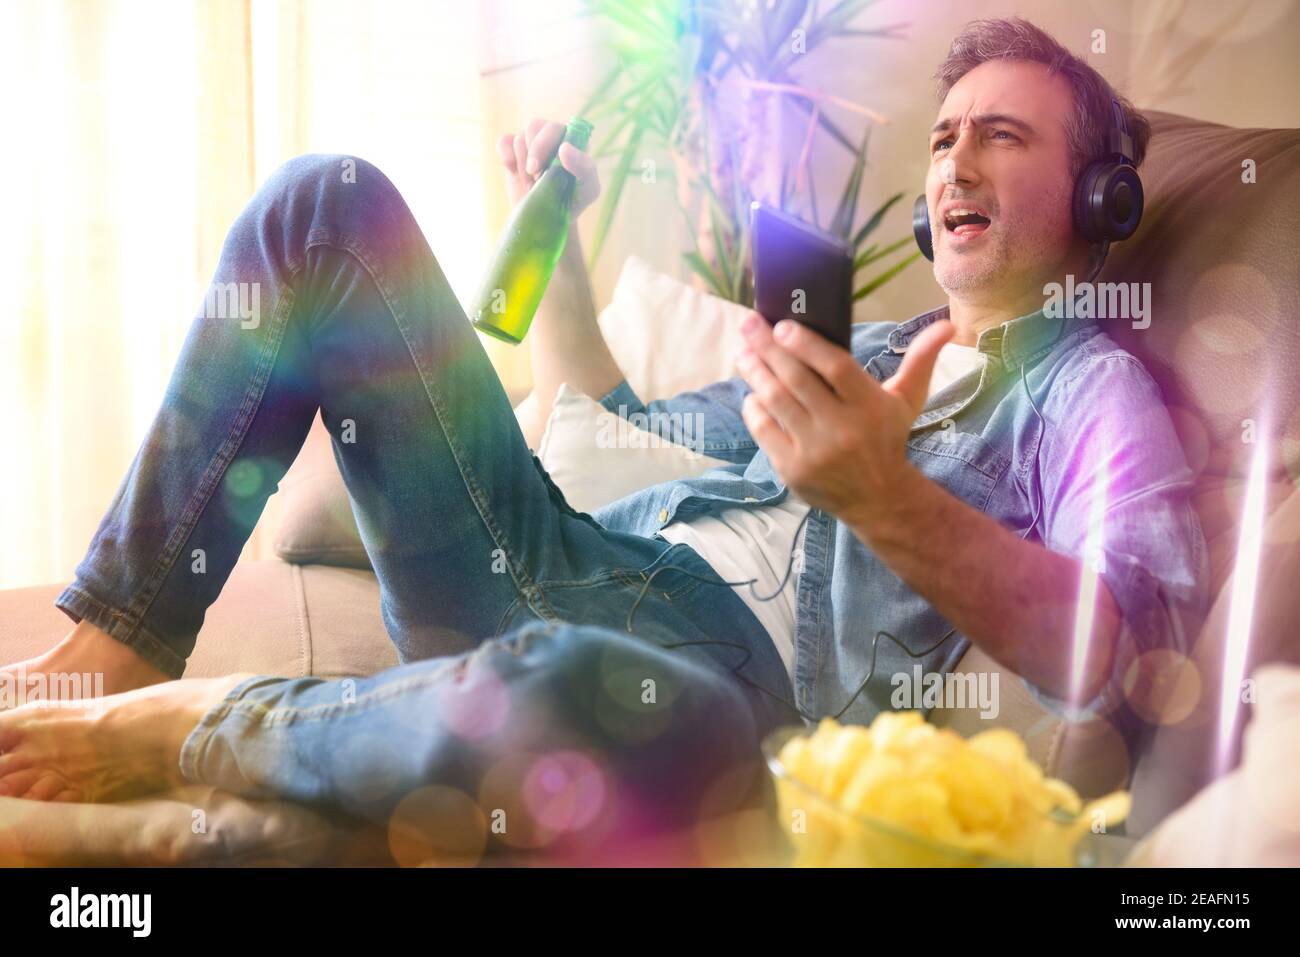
1015 39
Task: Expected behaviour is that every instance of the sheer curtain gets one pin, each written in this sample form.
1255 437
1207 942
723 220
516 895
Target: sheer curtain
135 132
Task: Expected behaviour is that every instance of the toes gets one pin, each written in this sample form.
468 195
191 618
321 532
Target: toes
18 783
11 762
9 734
46 788
67 796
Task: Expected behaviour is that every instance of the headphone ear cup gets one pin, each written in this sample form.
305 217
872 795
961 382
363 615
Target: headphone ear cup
1124 199
921 227
1089 202
1108 202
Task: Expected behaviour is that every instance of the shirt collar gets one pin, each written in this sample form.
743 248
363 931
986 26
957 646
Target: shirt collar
1010 343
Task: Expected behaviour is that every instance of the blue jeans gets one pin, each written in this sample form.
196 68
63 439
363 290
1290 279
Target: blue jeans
327 296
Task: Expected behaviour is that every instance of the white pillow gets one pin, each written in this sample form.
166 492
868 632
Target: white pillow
666 336
596 457
527 415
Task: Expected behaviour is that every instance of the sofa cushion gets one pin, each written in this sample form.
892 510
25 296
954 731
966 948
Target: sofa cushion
257 624
650 310
1219 253
1220 256
596 456
190 826
1188 749
1250 817
317 524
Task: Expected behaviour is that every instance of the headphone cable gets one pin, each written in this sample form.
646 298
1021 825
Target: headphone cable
751 582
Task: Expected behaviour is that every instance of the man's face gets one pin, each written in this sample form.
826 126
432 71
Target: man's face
999 145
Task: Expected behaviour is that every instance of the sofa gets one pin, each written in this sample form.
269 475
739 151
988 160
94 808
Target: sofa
1222 343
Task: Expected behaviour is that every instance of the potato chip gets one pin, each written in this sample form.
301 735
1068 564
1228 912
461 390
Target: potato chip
902 792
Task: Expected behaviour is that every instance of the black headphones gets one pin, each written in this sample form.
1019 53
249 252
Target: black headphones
1108 196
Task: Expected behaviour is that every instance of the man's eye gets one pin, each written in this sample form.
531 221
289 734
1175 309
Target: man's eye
1008 135
942 143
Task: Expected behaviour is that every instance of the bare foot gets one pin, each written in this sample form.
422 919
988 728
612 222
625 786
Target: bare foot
115 747
86 663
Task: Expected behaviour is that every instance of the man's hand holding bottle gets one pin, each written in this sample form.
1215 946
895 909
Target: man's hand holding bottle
566 344
547 194
525 156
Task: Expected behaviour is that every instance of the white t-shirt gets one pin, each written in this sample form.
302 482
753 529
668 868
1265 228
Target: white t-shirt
743 543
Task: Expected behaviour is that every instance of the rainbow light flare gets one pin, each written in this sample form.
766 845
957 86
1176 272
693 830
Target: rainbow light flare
1245 580
1094 553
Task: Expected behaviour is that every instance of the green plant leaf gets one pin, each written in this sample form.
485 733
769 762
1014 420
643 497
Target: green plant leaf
720 247
885 276
825 122
846 209
868 256
723 19
671 57
822 28
630 15
602 90
740 270
705 182
894 31
870 225
700 266
717 207
747 39
834 20
725 52
634 116
642 89
812 199
780 27
739 195
616 183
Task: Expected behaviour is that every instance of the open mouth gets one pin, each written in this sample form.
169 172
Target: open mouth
965 223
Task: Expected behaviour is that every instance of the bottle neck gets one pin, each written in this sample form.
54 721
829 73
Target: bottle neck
578 134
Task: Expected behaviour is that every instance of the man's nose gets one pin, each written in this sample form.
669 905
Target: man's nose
961 162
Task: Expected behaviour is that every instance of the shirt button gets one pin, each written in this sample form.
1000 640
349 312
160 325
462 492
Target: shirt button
663 514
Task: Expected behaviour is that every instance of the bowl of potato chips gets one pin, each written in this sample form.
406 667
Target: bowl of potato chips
904 793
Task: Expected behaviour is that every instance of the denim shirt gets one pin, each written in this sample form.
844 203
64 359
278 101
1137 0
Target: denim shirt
1108 432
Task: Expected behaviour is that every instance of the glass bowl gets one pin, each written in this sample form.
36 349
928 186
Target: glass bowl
834 836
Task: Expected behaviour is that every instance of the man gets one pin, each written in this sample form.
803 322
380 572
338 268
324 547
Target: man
615 666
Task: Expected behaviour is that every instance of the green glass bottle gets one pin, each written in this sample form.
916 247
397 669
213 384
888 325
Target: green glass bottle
529 248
